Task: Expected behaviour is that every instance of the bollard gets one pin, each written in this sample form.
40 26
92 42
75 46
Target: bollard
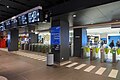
102 55
114 56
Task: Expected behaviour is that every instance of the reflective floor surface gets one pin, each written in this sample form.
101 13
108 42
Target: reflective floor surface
24 65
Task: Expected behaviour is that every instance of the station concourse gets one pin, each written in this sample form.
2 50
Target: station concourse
59 40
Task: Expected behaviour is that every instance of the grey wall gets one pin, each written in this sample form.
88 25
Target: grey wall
80 39
33 37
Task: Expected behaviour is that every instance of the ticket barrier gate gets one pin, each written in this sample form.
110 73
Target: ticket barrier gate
39 48
113 52
85 51
92 54
26 47
22 46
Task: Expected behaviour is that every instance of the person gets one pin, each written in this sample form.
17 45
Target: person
112 44
117 43
102 42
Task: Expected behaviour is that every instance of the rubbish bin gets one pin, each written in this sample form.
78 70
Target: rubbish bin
50 59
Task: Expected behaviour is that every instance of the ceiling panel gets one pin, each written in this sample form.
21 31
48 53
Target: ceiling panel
92 13
98 14
110 10
19 6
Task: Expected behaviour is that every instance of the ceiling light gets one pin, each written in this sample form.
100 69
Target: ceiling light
74 15
8 6
36 32
13 17
32 31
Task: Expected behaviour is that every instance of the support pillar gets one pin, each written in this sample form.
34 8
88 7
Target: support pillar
62 52
13 40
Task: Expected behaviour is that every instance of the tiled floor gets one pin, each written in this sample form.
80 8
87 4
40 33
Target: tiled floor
26 66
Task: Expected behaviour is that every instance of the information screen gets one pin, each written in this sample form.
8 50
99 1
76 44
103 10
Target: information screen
55 35
8 24
22 20
34 16
14 22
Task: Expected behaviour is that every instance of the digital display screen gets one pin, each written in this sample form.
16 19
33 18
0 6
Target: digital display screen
2 26
22 20
8 24
34 16
14 22
55 35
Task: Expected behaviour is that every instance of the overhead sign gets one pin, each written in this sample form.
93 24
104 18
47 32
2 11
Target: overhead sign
34 16
22 20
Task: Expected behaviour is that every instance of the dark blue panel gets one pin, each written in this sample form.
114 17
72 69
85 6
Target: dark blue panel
55 35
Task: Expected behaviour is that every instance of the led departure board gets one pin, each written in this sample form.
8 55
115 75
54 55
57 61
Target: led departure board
22 20
14 22
8 24
34 16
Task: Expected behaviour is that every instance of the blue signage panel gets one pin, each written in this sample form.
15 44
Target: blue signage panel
55 36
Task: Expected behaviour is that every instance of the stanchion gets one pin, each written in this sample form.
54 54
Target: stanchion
102 55
83 55
92 54
114 56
